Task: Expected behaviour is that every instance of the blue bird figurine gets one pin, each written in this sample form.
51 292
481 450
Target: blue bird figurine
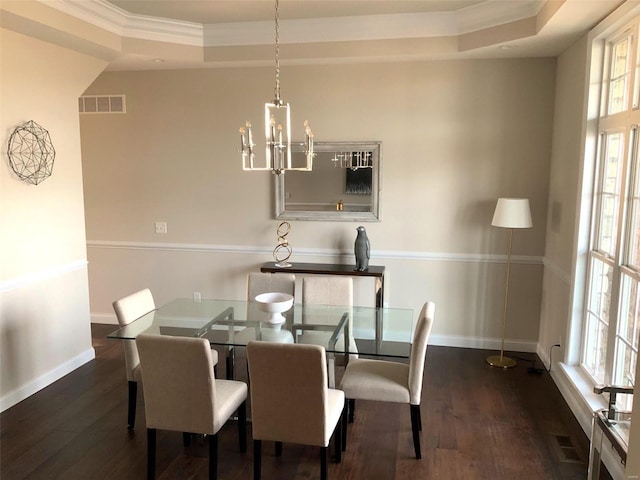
362 249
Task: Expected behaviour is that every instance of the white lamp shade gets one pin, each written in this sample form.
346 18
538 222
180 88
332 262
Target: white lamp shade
512 213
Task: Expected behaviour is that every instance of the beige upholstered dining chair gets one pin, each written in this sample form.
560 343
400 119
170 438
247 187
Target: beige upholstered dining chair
257 283
262 282
395 382
182 394
329 290
127 310
290 400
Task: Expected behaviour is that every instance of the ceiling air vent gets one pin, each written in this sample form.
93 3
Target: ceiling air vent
102 104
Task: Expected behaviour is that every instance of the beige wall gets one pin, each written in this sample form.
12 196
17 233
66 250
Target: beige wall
44 302
456 136
564 183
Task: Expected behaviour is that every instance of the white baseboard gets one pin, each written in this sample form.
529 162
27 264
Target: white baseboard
482 343
107 318
25 391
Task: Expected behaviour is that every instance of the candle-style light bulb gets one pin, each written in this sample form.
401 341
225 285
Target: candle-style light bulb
242 132
280 134
272 129
248 125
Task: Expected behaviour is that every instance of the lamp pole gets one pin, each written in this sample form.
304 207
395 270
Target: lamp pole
502 361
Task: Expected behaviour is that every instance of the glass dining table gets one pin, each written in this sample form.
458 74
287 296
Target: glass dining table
372 331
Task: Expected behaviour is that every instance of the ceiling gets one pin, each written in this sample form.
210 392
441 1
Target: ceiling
162 34
233 11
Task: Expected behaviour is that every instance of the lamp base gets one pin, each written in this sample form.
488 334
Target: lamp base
500 361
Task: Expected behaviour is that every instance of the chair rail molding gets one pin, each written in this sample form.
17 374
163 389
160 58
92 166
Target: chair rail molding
317 252
41 275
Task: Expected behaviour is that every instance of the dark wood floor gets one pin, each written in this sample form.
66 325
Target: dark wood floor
478 423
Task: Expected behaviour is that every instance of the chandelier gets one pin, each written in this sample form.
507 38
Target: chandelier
353 160
277 130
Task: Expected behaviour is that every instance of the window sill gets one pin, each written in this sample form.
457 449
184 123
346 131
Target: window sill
577 389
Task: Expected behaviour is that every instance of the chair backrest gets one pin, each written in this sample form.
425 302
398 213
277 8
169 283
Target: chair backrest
179 383
419 351
288 393
127 310
262 282
330 290
327 290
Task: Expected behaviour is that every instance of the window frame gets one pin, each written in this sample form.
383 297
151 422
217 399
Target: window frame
625 122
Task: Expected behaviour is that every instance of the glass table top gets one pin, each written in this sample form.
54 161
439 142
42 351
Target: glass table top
372 331
616 426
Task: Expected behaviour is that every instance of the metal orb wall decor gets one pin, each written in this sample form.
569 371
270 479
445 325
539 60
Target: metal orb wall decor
31 153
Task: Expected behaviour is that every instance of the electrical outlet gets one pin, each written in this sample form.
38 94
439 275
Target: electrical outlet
161 227
197 296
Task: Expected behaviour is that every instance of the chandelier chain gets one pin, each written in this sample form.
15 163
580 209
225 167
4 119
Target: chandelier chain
277 89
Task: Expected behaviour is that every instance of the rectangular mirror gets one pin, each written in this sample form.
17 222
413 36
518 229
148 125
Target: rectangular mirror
344 184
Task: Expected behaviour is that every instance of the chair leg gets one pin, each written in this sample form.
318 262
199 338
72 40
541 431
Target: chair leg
352 409
257 459
213 456
242 426
230 363
151 453
344 427
133 396
415 427
278 449
323 463
337 434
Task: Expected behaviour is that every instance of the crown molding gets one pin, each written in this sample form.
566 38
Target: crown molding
161 30
97 12
367 27
334 29
105 15
498 12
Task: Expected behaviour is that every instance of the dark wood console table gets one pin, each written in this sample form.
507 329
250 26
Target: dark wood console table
333 269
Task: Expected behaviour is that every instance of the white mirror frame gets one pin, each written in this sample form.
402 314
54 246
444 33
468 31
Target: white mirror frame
373 215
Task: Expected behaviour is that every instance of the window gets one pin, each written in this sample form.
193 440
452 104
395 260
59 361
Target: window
612 313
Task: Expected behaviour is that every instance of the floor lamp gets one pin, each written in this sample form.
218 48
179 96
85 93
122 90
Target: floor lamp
510 213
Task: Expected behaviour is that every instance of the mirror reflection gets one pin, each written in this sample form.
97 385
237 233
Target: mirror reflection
344 184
